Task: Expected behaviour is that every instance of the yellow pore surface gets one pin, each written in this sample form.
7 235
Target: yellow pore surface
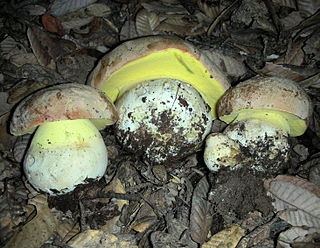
292 124
70 133
171 63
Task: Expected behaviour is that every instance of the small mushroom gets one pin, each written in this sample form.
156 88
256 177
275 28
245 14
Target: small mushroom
67 148
262 112
159 83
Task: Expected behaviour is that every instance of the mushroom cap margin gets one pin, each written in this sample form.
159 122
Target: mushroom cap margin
274 93
62 102
138 48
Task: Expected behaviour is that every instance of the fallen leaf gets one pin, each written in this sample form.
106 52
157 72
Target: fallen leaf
296 234
291 20
24 58
313 81
35 9
52 24
308 7
62 7
10 47
39 229
37 39
23 89
294 56
98 10
230 65
260 234
160 7
189 30
200 219
227 238
146 22
98 238
296 200
286 3
20 147
271 69
314 173
4 105
6 139
210 9
128 30
117 187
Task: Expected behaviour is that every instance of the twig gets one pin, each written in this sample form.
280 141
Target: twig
220 17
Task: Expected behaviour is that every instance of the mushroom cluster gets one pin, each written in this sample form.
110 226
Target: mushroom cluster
165 91
67 148
166 94
262 112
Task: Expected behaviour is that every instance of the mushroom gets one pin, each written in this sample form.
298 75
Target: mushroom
165 91
67 148
262 112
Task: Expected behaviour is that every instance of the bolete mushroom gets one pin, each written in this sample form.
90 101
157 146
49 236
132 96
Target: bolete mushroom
165 91
263 112
67 148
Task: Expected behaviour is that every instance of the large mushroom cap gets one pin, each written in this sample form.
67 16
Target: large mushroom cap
268 96
156 57
63 102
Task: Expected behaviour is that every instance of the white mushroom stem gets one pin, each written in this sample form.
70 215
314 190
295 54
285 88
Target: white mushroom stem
64 154
220 151
249 142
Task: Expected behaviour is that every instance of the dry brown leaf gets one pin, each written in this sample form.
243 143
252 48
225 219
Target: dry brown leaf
39 229
259 232
6 139
291 20
20 147
35 9
227 238
62 7
37 38
211 11
231 66
117 187
297 200
314 173
98 9
294 56
286 3
10 47
4 105
146 22
143 224
52 24
24 58
98 238
308 7
22 89
271 69
200 219
313 81
128 30
296 234
189 30
165 8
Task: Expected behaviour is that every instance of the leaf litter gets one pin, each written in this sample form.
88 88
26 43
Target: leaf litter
45 43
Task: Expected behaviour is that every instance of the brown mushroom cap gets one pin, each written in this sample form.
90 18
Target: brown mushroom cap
62 102
266 93
211 83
